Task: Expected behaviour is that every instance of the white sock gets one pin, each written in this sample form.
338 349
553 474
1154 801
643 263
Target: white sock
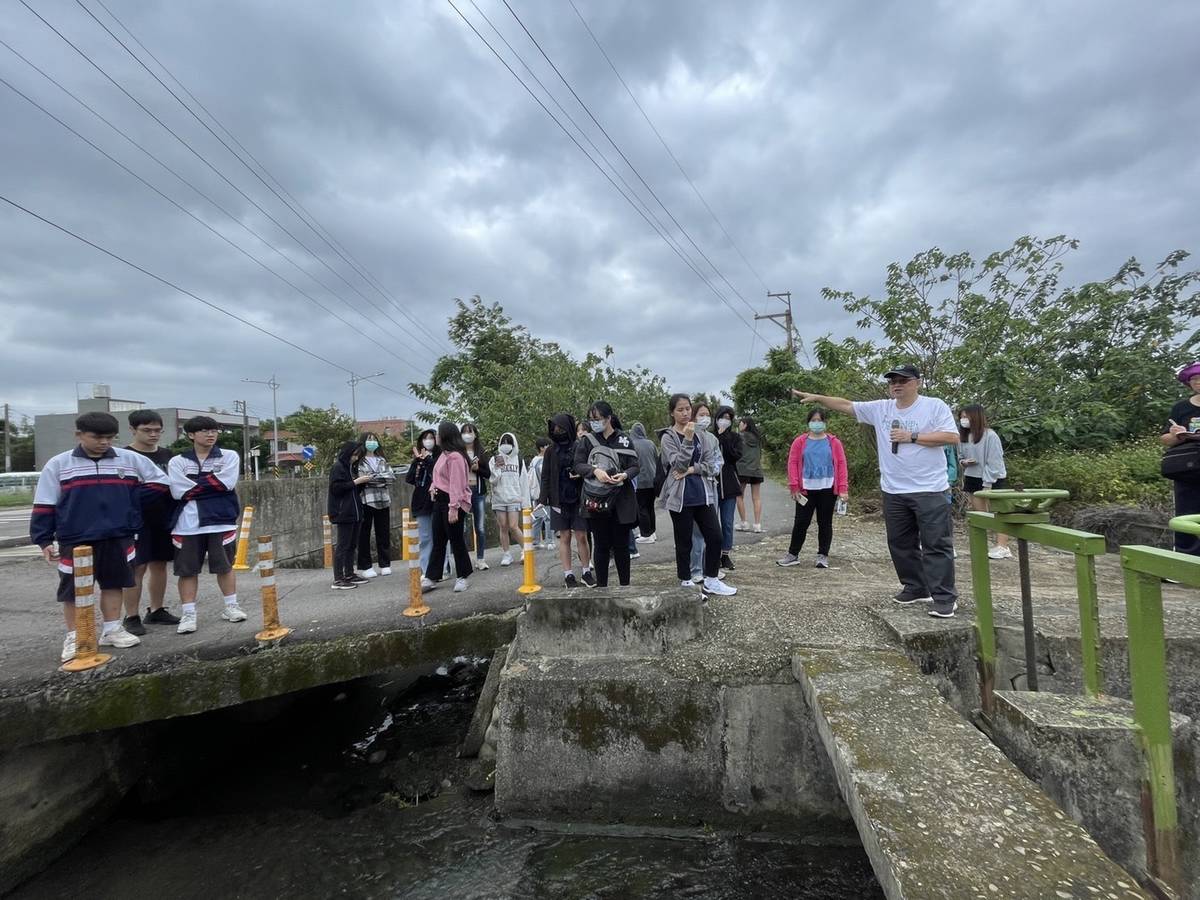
109 627
189 609
231 599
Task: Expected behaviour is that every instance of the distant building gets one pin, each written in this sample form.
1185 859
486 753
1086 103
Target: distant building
291 449
56 432
397 428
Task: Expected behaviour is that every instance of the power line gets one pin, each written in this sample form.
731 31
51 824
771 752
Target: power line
196 218
632 167
214 169
233 152
608 177
186 292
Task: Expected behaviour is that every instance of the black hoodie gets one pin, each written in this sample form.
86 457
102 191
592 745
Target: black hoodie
344 504
559 484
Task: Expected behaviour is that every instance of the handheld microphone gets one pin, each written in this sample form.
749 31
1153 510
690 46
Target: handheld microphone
895 444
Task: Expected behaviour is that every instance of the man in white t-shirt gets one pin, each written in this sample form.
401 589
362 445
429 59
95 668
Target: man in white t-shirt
910 432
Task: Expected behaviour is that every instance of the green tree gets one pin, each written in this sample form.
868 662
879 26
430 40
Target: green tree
20 445
325 429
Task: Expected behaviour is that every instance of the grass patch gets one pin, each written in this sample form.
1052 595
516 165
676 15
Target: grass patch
18 498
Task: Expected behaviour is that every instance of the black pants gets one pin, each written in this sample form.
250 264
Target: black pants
381 520
344 550
1187 503
705 518
645 501
445 530
609 539
822 503
920 538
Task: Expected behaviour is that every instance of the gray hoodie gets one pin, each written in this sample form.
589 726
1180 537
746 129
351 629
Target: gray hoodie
677 455
647 457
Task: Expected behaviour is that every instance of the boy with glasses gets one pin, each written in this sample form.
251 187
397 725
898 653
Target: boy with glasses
153 548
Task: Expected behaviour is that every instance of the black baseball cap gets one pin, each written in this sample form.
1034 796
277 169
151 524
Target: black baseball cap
905 371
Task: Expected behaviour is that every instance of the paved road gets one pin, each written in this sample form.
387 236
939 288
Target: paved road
14 522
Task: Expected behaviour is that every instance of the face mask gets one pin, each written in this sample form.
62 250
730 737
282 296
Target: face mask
468 438
372 445
964 423
722 424
816 427
506 449
596 426
703 421
427 443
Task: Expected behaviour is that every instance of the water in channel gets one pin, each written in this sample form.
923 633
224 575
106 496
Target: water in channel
355 791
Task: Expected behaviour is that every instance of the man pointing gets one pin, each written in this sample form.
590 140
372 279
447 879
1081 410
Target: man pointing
910 432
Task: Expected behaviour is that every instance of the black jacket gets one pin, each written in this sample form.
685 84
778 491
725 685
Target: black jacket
344 503
420 476
731 451
558 466
625 508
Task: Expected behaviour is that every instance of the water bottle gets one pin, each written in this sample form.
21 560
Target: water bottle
840 508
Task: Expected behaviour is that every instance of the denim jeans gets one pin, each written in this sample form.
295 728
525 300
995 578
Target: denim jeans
728 512
425 538
479 521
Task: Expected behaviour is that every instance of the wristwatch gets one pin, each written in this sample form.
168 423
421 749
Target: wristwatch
913 439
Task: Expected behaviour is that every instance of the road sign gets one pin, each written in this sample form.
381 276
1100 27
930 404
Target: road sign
309 452
308 467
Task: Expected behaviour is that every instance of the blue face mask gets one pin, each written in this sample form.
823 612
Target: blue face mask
596 426
816 427
372 445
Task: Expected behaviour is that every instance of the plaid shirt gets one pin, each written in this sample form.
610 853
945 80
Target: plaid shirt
375 492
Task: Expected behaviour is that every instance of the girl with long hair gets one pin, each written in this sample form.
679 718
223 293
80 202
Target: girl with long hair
451 494
981 455
750 471
377 513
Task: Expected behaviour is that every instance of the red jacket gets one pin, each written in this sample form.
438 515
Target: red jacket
841 474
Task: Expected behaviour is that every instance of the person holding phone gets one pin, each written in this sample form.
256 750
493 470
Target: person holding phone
609 527
982 459
1181 438
479 474
817 477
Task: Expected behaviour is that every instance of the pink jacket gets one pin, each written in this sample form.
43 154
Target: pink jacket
450 478
841 474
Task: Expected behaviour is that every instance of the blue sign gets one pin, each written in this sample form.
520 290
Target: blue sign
309 452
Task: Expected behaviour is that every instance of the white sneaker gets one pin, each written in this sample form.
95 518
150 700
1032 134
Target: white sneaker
233 613
688 583
187 623
717 586
427 585
506 559
758 529
386 570
646 540
635 555
481 565
460 585
1000 553
365 573
119 638
68 651
741 526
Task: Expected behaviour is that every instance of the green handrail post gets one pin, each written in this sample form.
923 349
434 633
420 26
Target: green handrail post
1089 621
985 628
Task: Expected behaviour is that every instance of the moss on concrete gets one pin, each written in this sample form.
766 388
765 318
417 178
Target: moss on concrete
615 711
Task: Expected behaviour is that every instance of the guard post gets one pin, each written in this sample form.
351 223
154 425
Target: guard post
530 585
416 601
272 630
327 541
243 547
86 656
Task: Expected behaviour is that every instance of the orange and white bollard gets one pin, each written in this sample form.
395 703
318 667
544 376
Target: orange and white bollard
416 602
272 630
531 585
86 655
327 540
405 520
243 547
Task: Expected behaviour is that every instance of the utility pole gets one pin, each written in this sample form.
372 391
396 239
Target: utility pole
274 386
7 451
786 315
240 406
353 382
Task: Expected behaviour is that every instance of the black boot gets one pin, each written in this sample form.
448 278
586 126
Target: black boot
727 563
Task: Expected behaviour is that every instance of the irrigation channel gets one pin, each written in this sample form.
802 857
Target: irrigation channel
355 790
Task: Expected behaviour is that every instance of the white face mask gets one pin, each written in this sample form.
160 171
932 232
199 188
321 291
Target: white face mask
722 424
964 422
468 438
703 421
427 443
506 449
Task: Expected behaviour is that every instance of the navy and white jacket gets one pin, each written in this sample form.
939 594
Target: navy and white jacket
205 489
80 499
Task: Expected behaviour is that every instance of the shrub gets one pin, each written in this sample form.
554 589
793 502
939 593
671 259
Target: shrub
1126 474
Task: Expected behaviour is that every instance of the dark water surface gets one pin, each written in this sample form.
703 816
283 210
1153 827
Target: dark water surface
354 791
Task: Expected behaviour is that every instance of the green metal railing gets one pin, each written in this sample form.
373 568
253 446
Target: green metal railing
1024 515
1144 570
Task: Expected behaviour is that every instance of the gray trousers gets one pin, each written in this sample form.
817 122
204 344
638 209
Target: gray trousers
920 538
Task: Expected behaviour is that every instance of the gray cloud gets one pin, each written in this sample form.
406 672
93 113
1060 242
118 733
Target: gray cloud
830 141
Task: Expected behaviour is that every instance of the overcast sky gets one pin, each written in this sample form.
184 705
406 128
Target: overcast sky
829 139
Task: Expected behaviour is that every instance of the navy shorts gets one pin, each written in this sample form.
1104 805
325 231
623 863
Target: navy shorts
971 484
567 520
112 567
153 545
190 550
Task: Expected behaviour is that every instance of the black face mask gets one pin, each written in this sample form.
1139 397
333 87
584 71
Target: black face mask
560 437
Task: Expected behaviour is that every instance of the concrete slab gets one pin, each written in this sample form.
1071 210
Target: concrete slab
941 812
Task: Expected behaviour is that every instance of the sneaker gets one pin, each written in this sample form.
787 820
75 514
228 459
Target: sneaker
187 624
687 583
119 638
506 559
160 616
342 585
758 529
427 585
635 555
788 559
68 650
357 579
1000 553
943 612
720 574
588 578
905 600
717 586
727 563
386 570
481 565
646 539
233 613
955 552
133 624
460 585
570 581
364 574
698 577
822 561
741 526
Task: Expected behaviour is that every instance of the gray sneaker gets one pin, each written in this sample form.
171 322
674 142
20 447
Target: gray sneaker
822 561
943 612
789 559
